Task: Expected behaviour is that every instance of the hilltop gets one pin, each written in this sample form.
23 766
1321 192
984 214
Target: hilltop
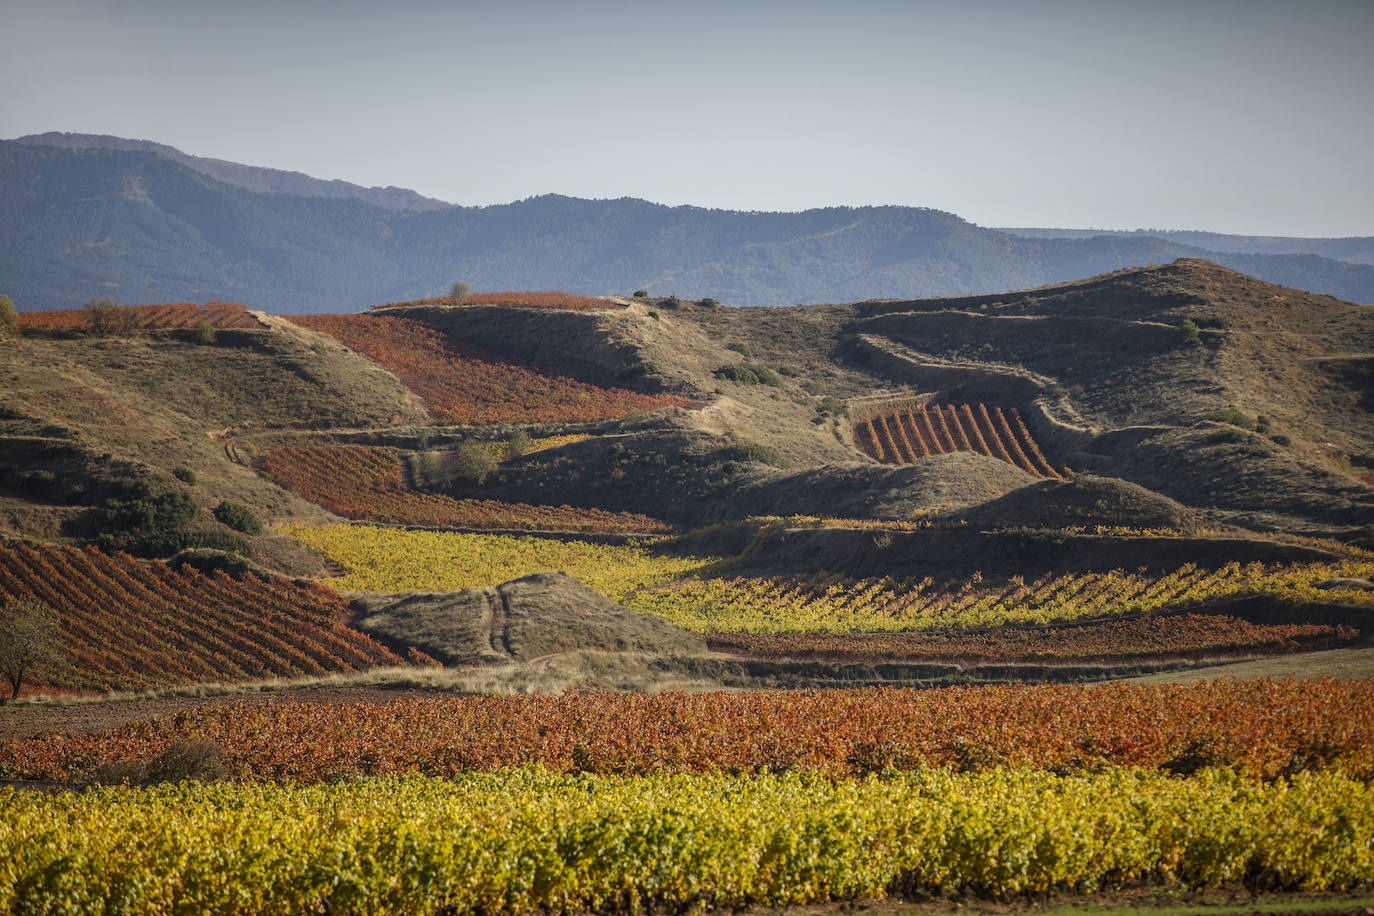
84 216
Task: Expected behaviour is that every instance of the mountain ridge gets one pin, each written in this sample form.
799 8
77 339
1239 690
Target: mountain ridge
138 226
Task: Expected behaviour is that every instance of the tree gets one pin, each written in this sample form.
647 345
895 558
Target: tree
30 636
104 316
459 292
517 444
1187 333
472 463
9 321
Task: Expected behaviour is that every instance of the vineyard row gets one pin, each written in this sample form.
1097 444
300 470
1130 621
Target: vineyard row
178 316
908 435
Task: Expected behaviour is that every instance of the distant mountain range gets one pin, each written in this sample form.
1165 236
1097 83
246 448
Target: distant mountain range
84 216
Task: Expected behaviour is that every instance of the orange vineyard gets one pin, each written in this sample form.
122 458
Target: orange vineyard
460 383
1263 729
146 317
127 624
370 484
909 434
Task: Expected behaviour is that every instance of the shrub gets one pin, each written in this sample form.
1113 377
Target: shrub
517 444
105 316
1235 417
708 303
203 333
641 294
458 292
1281 439
9 321
472 463
1262 424
185 475
672 302
749 374
745 451
239 517
1187 333
742 349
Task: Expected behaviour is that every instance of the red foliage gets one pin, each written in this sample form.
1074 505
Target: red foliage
1263 728
177 316
460 383
909 434
1143 638
370 484
130 624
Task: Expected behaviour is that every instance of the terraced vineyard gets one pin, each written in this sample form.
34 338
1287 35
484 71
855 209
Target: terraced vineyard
461 383
180 315
907 435
129 624
372 484
828 603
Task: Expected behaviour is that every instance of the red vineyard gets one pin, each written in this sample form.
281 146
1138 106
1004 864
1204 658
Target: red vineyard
1261 728
127 624
370 484
460 383
909 434
547 299
178 316
1112 641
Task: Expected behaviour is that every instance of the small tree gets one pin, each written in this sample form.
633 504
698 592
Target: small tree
517 444
203 333
473 463
9 321
1187 333
30 636
459 292
104 316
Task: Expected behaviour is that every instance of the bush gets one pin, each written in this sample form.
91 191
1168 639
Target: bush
517 444
239 517
105 317
1187 333
744 451
472 463
9 321
708 303
641 294
672 302
749 374
458 292
742 349
202 333
185 475
1235 417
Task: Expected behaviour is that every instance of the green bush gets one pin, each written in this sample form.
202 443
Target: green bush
185 475
1234 416
203 333
239 517
708 303
744 451
9 321
1187 333
742 349
749 374
641 294
517 444
472 463
458 292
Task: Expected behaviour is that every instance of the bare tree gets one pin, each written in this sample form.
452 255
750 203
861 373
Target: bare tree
30 636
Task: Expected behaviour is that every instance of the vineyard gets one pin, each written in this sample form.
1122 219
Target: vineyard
910 434
371 484
1155 638
179 316
1263 729
129 624
830 603
527 842
393 560
460 383
541 299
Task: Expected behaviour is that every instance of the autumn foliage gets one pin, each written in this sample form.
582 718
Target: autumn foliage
130 624
177 316
460 383
371 484
1260 728
907 435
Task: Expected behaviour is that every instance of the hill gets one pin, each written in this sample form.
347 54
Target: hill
140 223
1151 468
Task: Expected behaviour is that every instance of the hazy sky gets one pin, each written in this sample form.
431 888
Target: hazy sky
1245 116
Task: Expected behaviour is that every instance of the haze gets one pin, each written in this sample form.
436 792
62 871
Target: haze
1241 117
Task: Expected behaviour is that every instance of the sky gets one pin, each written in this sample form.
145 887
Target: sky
1238 116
